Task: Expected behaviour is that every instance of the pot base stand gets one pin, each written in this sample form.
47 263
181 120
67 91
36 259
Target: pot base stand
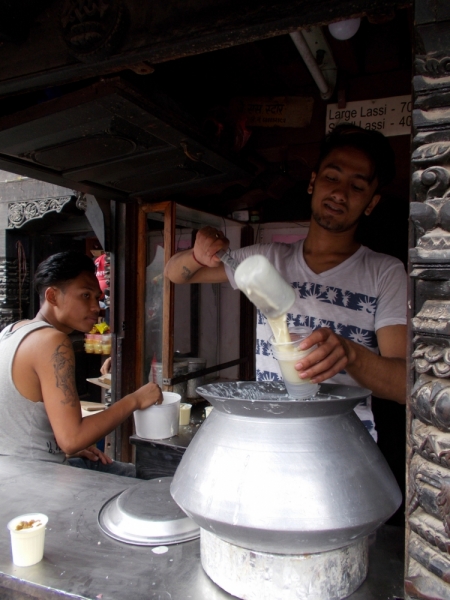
253 575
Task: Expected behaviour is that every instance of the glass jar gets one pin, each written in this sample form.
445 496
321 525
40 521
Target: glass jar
106 343
98 346
89 343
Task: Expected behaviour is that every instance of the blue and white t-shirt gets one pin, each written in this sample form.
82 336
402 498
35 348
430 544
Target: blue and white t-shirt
354 299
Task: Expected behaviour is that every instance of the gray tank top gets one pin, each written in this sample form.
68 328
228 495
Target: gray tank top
25 429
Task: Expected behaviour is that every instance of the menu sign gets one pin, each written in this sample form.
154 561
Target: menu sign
390 116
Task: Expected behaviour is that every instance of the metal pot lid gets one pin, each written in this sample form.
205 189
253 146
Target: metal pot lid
147 515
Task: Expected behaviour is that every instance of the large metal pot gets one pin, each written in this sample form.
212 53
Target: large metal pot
290 477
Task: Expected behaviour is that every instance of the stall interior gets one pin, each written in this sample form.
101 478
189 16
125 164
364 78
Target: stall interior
232 133
206 318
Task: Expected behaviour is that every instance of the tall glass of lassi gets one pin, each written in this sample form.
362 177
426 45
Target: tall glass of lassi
288 353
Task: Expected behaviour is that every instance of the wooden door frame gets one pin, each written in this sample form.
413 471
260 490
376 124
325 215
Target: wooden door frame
169 210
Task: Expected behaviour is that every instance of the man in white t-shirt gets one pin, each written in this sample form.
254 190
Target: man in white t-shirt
353 298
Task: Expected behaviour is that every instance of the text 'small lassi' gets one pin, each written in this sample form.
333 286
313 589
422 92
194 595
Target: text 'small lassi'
273 296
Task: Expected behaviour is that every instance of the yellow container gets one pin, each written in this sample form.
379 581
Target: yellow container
96 343
89 343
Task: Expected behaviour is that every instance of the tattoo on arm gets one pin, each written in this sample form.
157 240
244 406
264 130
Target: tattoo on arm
186 274
64 368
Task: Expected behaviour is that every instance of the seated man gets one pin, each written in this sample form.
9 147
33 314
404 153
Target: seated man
40 413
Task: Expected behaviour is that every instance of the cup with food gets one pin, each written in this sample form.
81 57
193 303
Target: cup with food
27 538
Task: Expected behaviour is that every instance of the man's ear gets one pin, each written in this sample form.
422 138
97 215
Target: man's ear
311 182
51 295
372 204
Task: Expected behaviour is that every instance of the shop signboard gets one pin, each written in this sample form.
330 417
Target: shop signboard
279 111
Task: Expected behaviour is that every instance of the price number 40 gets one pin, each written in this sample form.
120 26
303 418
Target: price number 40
406 119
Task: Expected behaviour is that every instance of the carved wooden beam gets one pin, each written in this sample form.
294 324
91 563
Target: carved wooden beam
23 211
428 512
78 39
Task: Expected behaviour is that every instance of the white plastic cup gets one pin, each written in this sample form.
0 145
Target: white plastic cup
208 410
288 355
159 421
27 545
185 413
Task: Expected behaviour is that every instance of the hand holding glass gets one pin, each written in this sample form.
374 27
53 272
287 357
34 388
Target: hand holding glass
288 354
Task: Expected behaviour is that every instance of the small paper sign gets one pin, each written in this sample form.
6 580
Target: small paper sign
390 116
279 111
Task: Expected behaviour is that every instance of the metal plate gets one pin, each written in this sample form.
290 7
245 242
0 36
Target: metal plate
147 515
269 399
276 390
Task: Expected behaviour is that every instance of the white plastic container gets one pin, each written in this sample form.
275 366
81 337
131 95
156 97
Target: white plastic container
159 421
27 545
264 286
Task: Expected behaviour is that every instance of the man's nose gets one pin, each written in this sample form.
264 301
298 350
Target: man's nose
340 191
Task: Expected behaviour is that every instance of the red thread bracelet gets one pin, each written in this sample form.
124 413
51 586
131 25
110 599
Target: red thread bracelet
197 261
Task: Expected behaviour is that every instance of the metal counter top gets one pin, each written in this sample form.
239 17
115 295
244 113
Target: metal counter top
80 561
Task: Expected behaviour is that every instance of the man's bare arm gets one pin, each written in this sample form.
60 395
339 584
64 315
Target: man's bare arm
54 365
183 268
64 370
384 374
199 264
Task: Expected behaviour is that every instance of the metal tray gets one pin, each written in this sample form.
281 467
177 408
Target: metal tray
147 515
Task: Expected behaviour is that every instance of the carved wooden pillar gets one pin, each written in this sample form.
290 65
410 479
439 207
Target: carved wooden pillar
428 506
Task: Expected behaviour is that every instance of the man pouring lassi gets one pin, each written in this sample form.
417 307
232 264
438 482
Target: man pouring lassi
352 298
273 297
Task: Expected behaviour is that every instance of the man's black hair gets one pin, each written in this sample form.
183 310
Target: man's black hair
373 143
60 268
